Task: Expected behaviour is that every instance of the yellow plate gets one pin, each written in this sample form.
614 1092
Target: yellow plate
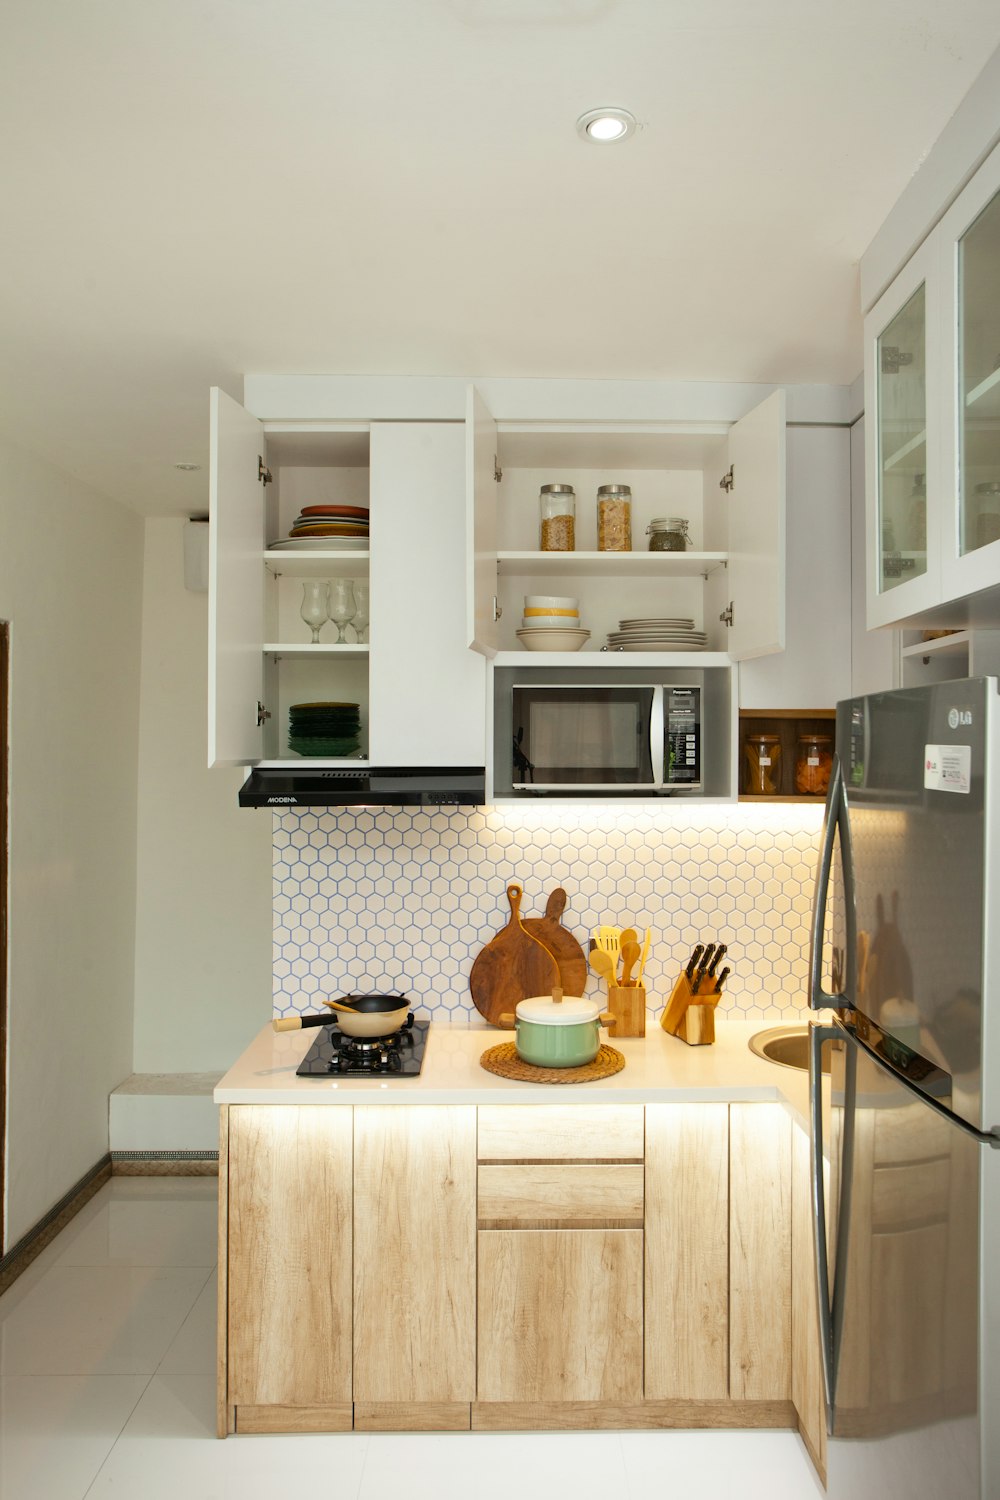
574 613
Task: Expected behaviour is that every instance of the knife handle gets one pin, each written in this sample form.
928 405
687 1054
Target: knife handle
693 961
720 950
722 979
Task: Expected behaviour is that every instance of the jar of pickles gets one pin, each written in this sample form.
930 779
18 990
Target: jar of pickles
668 534
813 764
557 507
762 765
614 518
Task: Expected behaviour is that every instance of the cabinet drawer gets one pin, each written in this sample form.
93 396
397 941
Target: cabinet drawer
555 1132
560 1196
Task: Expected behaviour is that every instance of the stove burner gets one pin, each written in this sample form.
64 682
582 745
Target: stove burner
400 1052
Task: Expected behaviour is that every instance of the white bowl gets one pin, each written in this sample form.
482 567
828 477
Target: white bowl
550 622
549 601
552 640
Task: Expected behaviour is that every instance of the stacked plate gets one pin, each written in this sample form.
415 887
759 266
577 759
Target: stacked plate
551 622
322 526
331 729
656 634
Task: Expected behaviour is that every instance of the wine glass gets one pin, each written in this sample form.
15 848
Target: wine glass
361 616
315 610
342 607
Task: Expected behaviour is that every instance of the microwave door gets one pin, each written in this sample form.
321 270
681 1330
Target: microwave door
586 737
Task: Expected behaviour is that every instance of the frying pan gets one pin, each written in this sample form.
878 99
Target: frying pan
369 1015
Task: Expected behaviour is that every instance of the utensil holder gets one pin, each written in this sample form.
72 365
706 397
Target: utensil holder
627 1003
689 1016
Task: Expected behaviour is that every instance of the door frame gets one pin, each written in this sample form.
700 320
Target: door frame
4 910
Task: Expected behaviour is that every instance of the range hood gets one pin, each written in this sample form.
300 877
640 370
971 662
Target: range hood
365 786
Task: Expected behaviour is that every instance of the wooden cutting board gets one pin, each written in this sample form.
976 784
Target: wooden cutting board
560 942
512 967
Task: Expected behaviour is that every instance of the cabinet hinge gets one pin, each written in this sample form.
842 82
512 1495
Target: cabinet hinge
263 472
262 714
727 614
726 482
497 608
497 471
894 359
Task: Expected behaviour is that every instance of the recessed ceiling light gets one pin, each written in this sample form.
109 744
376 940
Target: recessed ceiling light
187 468
606 125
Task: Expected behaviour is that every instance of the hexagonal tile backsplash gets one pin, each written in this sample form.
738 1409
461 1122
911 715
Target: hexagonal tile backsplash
401 899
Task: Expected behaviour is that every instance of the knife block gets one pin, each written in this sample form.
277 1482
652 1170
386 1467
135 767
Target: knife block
627 1003
689 1016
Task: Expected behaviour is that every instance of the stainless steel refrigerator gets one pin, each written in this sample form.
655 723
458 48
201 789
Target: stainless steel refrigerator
906 1139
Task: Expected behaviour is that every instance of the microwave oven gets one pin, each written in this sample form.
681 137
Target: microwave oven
636 738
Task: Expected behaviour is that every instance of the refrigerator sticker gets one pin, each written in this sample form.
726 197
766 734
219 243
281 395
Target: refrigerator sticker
948 768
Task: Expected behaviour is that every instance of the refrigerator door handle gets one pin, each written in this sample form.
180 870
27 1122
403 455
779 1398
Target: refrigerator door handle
830 1294
835 820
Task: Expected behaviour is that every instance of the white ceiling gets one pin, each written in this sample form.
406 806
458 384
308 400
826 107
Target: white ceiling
192 189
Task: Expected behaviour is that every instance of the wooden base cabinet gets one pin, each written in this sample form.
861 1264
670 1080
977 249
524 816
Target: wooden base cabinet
398 1267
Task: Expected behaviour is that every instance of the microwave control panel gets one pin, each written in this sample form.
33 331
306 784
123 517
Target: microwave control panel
682 736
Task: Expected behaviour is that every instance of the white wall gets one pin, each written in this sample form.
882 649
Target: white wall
203 919
70 585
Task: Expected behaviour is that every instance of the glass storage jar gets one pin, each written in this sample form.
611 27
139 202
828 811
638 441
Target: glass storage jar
557 506
762 765
614 518
668 534
813 764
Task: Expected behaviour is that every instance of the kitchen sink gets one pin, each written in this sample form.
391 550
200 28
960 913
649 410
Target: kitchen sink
786 1045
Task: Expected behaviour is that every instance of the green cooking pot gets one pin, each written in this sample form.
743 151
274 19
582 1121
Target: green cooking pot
558 1033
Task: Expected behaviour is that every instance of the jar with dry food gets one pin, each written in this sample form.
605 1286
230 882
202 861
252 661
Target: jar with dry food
813 764
557 505
614 518
668 534
762 765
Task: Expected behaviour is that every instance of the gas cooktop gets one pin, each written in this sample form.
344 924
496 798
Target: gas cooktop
334 1055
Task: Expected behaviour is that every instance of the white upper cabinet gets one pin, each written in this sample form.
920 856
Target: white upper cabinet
932 404
235 591
725 478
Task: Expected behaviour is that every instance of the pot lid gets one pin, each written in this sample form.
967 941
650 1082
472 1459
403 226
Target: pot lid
569 1012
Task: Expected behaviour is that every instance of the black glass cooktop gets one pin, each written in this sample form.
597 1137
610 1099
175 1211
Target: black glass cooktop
334 1055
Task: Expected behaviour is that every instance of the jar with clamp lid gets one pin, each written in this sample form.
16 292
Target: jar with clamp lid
668 534
762 765
557 507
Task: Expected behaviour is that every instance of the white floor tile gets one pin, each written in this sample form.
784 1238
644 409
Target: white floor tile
169 1448
193 1351
718 1465
129 1230
97 1320
494 1466
56 1431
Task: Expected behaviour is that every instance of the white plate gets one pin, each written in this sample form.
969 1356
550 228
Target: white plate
549 601
322 544
550 622
656 624
552 640
686 645
658 635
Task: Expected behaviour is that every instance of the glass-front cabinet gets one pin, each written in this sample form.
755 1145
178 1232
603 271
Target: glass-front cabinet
932 398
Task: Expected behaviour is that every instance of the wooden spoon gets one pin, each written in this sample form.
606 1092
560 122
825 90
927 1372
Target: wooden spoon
351 1009
604 965
631 953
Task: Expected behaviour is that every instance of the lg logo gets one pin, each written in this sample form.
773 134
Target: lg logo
957 716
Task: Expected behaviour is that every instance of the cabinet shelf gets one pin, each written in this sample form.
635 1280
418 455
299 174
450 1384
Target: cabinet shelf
956 644
897 458
986 396
589 660
611 564
318 564
300 652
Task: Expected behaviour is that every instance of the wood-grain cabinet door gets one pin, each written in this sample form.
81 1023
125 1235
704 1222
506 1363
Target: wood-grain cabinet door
760 1253
414 1253
687 1252
560 1315
290 1256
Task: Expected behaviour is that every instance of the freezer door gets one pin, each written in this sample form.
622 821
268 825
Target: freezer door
904 1420
918 768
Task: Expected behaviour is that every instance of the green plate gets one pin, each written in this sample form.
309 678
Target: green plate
314 745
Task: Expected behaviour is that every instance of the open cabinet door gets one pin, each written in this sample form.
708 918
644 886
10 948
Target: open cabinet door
235 584
757 531
481 524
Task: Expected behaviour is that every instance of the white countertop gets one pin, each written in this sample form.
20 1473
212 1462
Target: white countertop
658 1069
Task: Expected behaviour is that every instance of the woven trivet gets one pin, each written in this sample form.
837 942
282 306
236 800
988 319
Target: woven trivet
505 1061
